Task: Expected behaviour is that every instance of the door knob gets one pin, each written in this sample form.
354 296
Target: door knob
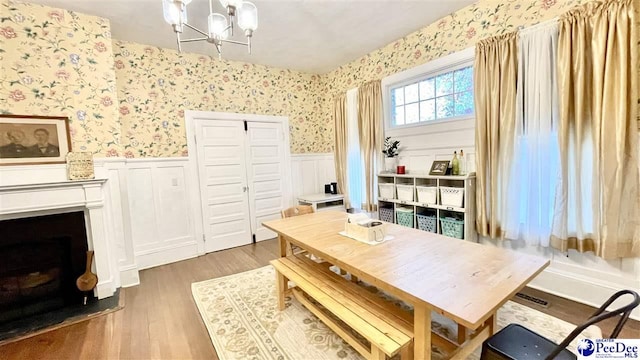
245 188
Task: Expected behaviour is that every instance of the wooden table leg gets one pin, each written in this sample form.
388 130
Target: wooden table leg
493 323
283 246
281 285
462 334
422 332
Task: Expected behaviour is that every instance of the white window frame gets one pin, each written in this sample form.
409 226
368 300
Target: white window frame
451 62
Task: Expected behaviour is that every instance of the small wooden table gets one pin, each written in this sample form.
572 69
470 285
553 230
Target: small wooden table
322 202
466 282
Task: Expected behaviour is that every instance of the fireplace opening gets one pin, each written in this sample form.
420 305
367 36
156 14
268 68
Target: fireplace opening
40 259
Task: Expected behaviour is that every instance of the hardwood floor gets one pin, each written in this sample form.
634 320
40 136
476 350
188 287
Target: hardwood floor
160 319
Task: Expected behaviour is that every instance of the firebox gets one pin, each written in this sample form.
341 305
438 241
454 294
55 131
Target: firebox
40 259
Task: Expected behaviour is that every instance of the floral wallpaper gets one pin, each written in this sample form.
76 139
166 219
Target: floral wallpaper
156 86
59 63
452 33
128 99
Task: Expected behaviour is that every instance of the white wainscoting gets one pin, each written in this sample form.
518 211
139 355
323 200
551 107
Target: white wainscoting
161 223
310 172
421 145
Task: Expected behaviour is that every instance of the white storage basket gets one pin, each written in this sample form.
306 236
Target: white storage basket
451 196
427 194
405 192
387 191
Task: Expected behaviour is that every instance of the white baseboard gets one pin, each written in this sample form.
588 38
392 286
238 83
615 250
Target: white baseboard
129 276
167 255
104 289
571 287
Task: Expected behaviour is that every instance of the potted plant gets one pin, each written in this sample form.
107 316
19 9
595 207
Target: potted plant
390 152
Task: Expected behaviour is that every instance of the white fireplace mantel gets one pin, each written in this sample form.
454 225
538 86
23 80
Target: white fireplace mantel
26 200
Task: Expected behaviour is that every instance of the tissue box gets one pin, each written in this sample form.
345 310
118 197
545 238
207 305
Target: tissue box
364 233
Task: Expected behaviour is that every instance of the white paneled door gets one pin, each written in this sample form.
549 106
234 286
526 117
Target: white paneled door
241 168
265 161
223 183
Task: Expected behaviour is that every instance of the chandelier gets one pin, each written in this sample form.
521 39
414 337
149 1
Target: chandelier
219 29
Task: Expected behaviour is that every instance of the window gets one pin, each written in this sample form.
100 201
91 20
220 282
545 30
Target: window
444 96
437 91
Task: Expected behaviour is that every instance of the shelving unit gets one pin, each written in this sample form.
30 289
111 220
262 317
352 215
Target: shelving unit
466 212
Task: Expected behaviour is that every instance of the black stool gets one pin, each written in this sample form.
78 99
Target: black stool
515 342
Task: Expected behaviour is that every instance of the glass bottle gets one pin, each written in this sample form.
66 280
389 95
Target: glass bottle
455 164
463 163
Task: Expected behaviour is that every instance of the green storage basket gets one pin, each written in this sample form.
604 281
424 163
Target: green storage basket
427 222
452 227
404 217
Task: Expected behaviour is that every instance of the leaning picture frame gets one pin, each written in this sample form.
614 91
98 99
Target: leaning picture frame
32 139
439 167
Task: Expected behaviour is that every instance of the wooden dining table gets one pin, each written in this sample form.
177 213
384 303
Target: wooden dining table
463 281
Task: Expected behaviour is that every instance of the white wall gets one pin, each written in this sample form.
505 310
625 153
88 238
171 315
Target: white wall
310 172
421 145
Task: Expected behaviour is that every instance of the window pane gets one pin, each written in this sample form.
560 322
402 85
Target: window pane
444 107
398 116
427 90
411 113
398 96
464 103
427 110
411 93
463 79
444 84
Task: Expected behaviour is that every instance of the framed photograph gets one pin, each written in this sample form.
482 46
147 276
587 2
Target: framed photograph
439 167
26 139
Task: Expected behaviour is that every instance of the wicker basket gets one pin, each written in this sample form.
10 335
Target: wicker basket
427 194
426 222
452 227
387 191
386 214
405 192
404 217
451 196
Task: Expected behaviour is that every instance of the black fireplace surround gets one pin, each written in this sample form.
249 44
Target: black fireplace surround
40 259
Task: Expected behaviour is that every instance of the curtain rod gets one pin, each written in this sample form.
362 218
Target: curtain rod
538 25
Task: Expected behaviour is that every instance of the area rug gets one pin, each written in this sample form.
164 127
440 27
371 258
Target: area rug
241 315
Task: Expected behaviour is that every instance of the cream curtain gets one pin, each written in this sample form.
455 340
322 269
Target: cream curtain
370 122
355 168
597 201
495 71
534 170
340 151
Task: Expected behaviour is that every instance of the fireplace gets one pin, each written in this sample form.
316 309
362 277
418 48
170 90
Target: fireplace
40 259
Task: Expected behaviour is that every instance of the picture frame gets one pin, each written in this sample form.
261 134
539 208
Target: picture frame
439 167
33 139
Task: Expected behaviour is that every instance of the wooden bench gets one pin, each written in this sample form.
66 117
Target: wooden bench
387 328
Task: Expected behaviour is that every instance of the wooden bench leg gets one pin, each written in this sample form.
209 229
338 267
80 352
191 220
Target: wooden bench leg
281 284
377 354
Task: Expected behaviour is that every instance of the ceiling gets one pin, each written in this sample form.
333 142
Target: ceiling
313 36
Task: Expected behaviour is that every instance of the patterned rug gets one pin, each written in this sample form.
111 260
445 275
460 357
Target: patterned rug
240 312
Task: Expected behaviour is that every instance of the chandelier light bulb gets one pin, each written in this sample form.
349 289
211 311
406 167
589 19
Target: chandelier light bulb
218 26
171 11
248 17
